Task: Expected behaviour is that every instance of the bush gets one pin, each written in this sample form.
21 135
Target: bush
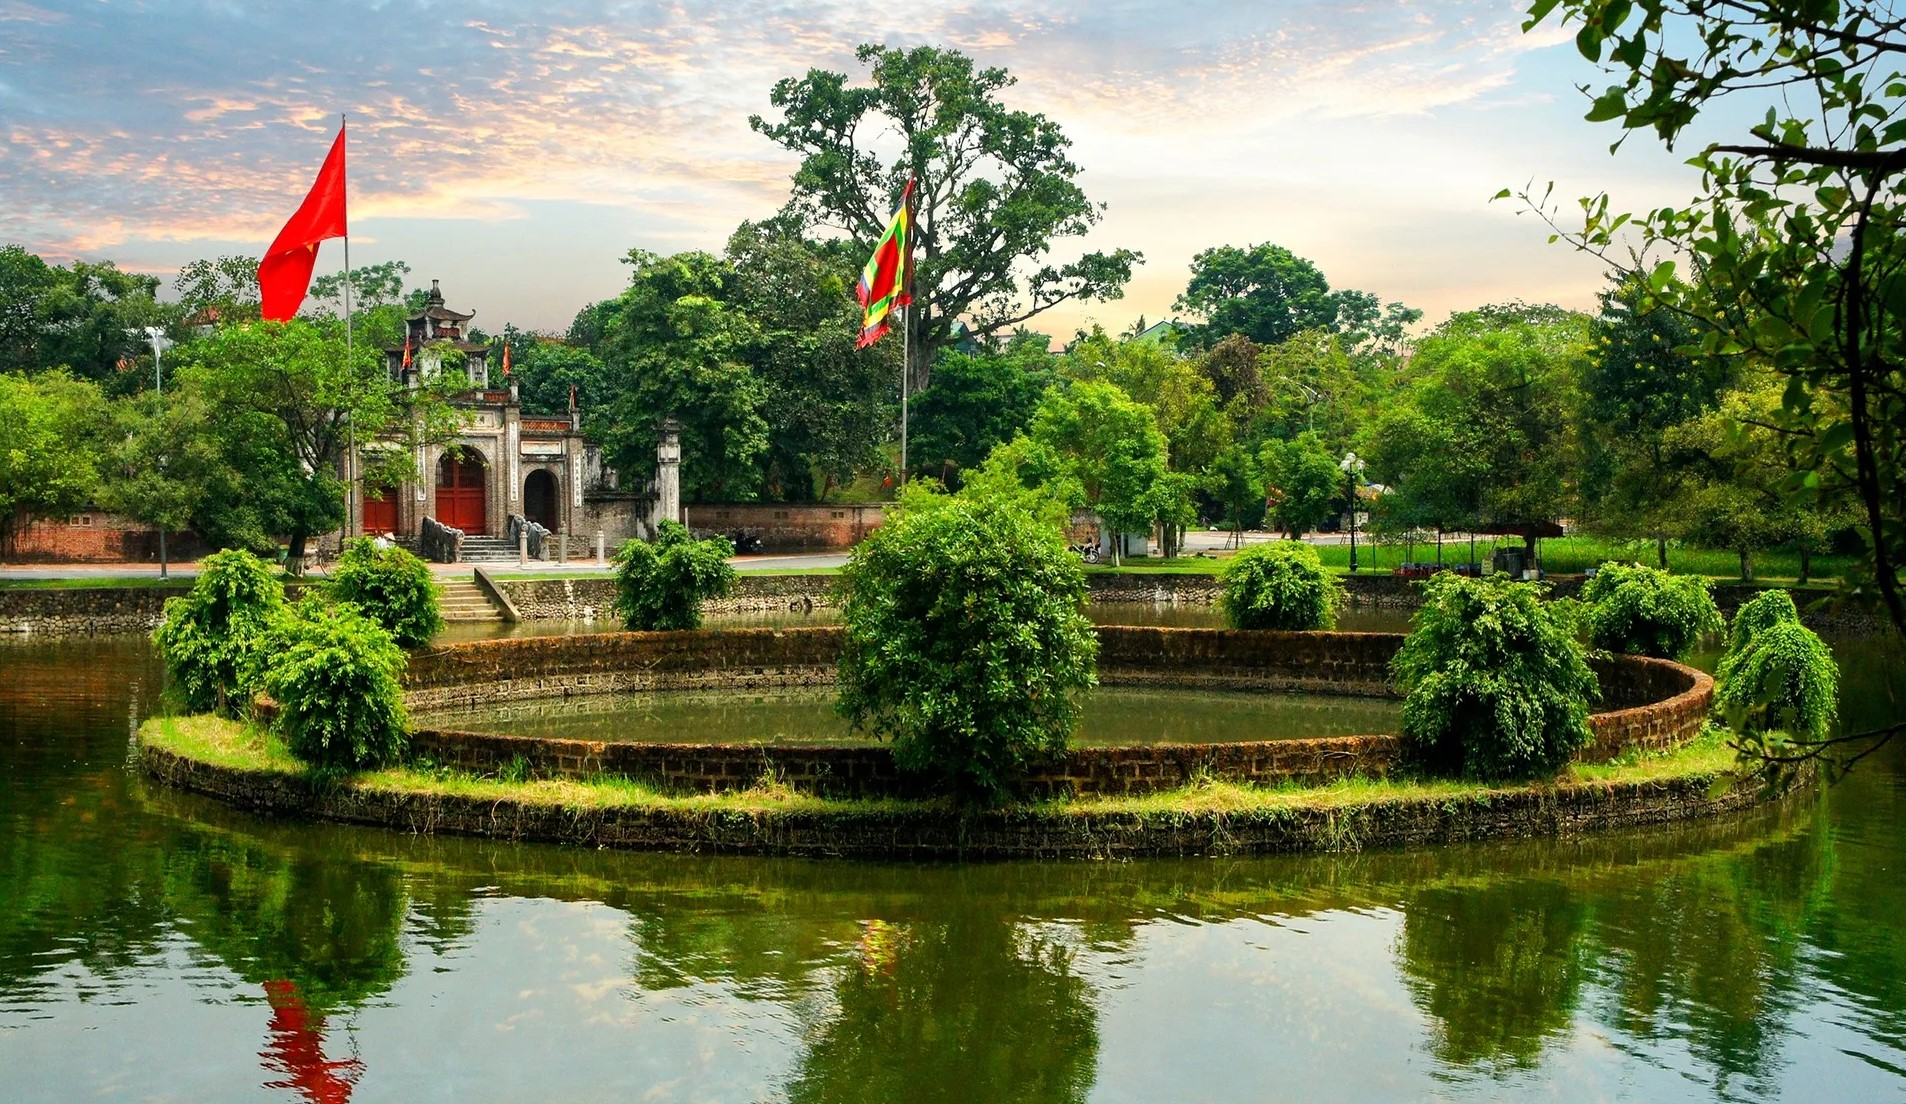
1776 675
1280 586
334 673
966 639
1646 611
1495 686
209 639
661 586
390 586
1762 611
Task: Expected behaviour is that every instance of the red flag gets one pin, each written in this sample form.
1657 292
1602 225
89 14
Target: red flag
406 352
284 274
506 360
886 281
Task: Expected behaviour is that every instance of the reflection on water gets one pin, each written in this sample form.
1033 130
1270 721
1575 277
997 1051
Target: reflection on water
157 945
1112 715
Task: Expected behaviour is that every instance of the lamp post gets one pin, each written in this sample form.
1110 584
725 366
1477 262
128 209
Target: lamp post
156 335
1352 466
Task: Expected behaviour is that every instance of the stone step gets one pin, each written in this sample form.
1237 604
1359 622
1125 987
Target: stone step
463 600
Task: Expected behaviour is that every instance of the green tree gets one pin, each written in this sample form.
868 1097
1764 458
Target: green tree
1303 484
995 188
976 402
287 406
966 640
335 674
545 368
1236 481
1268 295
84 317
1110 447
391 587
682 350
1792 244
1646 611
1279 586
1182 400
660 586
1495 686
50 430
213 638
160 459
221 290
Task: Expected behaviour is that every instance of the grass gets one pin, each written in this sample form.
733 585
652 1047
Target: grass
235 745
117 582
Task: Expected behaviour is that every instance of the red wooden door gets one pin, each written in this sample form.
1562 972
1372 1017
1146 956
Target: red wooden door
460 497
380 514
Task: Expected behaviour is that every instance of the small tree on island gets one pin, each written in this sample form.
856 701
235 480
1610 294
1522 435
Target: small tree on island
334 673
1495 685
660 586
966 638
211 638
1646 611
390 586
1280 586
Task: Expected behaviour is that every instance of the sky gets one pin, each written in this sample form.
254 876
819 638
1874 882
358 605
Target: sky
516 152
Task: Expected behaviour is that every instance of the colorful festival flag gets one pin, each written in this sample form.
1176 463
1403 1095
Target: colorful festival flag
284 274
886 283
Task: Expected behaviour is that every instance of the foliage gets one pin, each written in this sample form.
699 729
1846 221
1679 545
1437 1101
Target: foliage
391 587
1236 482
1183 401
49 447
85 317
1268 294
1279 586
285 404
222 290
995 188
976 402
1646 611
1110 446
660 586
1303 485
1762 611
966 639
682 349
334 673
1793 246
1495 686
212 638
1784 679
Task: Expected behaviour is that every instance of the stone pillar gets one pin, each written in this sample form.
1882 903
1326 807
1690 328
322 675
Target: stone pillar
668 473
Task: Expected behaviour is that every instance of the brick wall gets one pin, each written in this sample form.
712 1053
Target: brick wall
95 537
785 526
1659 704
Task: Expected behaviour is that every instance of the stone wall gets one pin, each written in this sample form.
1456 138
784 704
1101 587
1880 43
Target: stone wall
786 526
591 599
1658 705
925 832
82 611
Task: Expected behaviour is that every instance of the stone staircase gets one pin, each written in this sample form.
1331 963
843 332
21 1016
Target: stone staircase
487 550
464 601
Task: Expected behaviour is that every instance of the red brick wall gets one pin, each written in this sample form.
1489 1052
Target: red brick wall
784 526
94 537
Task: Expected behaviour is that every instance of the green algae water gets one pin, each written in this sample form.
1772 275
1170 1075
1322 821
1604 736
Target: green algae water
156 946
1111 716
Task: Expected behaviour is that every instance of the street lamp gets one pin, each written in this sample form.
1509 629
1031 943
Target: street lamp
156 335
1352 466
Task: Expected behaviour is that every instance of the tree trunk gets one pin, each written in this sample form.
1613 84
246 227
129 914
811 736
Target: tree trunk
1747 565
1806 565
294 555
1661 553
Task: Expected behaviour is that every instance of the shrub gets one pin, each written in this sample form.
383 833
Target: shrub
661 585
210 637
334 673
1495 686
1763 610
966 639
1280 586
390 586
1784 679
1646 611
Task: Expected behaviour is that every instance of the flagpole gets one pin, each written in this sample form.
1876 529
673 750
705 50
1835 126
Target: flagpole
906 382
350 362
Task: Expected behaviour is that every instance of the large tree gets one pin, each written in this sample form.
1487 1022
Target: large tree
1269 294
1110 447
976 402
49 435
996 188
1793 243
85 317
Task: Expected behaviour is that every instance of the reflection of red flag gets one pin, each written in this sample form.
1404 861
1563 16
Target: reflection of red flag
296 1049
284 275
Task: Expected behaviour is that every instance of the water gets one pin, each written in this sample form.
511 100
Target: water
1111 715
155 946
